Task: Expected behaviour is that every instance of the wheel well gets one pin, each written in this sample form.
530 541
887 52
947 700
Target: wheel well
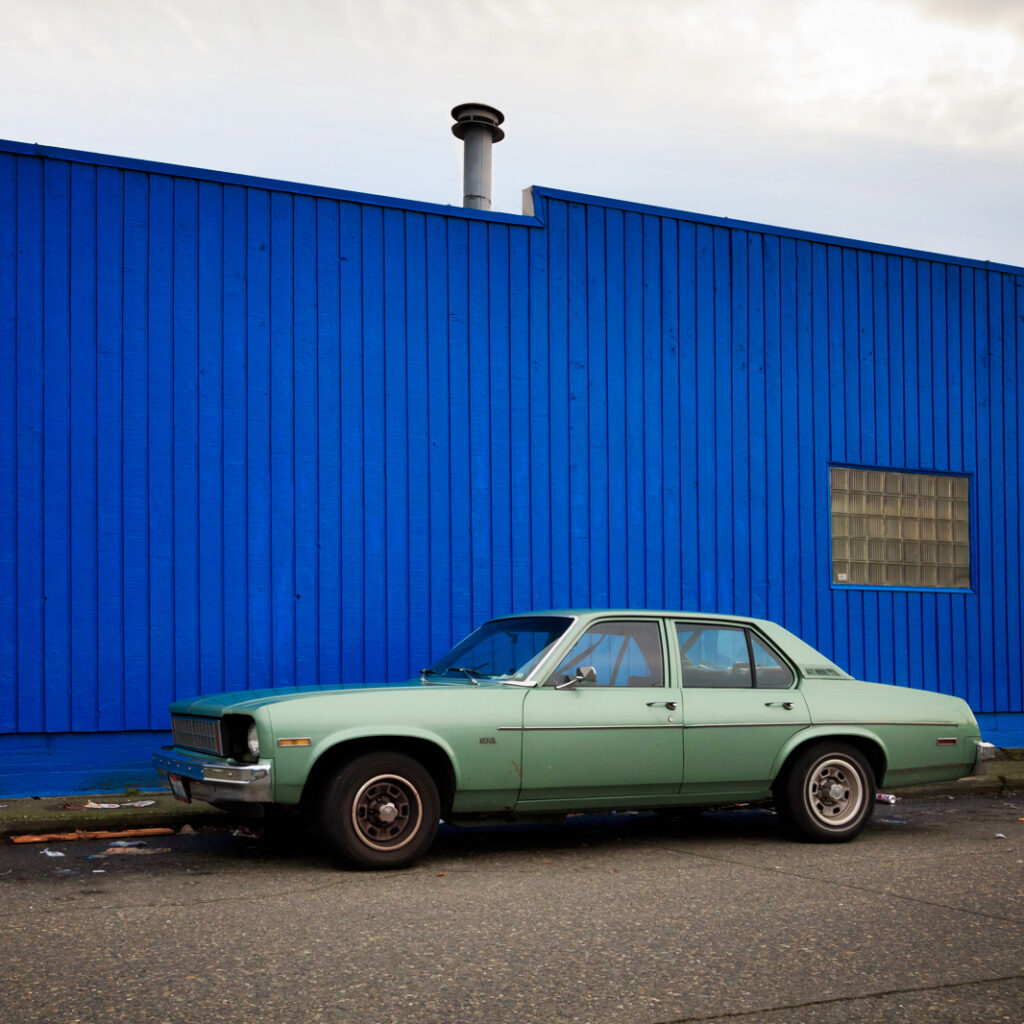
431 756
869 748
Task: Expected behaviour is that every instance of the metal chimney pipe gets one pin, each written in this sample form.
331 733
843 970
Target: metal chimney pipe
476 124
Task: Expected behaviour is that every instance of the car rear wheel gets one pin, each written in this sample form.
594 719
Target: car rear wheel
381 810
828 794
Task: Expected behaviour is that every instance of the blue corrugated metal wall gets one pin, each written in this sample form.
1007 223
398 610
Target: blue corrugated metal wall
254 434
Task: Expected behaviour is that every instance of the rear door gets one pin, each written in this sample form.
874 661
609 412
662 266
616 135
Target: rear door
740 707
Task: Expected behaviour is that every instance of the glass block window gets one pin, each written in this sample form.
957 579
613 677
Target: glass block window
894 529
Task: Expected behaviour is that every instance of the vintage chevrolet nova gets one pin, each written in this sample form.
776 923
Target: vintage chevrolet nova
548 713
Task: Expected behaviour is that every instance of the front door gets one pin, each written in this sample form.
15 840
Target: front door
617 735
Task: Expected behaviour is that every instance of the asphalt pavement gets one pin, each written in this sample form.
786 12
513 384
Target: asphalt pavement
605 919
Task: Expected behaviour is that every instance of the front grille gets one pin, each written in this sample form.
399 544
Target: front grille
197 734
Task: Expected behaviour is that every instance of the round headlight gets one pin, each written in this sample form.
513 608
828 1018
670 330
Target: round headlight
252 740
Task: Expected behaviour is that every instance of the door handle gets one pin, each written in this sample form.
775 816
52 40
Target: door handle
670 704
785 704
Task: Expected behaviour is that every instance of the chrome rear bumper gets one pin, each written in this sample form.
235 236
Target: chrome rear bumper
985 752
199 778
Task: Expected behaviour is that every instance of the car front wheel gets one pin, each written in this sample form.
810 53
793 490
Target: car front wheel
380 810
828 793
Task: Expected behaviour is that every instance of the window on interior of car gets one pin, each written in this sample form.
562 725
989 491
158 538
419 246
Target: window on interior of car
714 656
626 653
769 671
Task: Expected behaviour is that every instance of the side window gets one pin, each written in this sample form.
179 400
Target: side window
714 656
623 654
769 671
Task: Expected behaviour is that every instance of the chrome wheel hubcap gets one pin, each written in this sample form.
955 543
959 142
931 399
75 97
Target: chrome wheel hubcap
386 812
835 791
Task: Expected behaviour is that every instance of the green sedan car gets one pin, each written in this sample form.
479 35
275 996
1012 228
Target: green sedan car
547 713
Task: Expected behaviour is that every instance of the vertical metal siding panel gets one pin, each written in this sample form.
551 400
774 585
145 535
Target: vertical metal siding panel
670 470
789 481
82 455
813 499
651 416
236 443
374 432
578 479
558 413
1012 697
955 658
689 385
539 408
304 398
56 383
418 406
8 443
633 478
342 441
617 411
210 437
521 399
135 453
774 481
478 406
840 451
925 365
437 497
757 452
986 524
186 437
723 439
282 437
998 494
110 429
591 408
824 451
257 330
883 608
737 512
394 413
703 394
29 425
967 368
940 375
339 410
160 474
500 502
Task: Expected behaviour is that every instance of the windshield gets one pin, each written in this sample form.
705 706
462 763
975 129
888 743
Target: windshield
502 648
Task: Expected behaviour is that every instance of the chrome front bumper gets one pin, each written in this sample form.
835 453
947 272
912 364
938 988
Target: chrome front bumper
194 777
986 752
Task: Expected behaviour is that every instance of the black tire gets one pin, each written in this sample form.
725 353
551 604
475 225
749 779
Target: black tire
828 793
380 811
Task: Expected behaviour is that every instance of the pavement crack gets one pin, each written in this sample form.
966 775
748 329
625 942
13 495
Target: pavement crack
856 888
836 1000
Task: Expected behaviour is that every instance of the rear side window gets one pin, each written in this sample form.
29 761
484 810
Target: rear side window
728 657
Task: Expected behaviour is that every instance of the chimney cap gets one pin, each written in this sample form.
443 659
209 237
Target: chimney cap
470 114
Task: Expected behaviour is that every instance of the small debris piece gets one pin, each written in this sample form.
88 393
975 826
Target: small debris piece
186 830
999 835
885 798
113 851
243 832
65 873
67 837
100 807
98 871
130 842
51 853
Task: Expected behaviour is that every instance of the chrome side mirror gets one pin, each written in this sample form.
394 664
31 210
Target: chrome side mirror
584 674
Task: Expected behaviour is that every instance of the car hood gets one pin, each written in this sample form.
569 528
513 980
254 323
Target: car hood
242 701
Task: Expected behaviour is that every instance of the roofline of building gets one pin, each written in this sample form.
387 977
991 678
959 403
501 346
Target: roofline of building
534 197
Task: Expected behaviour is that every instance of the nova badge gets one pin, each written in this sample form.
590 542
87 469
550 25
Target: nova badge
488 739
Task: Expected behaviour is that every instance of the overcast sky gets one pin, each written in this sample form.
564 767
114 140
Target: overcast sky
896 121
